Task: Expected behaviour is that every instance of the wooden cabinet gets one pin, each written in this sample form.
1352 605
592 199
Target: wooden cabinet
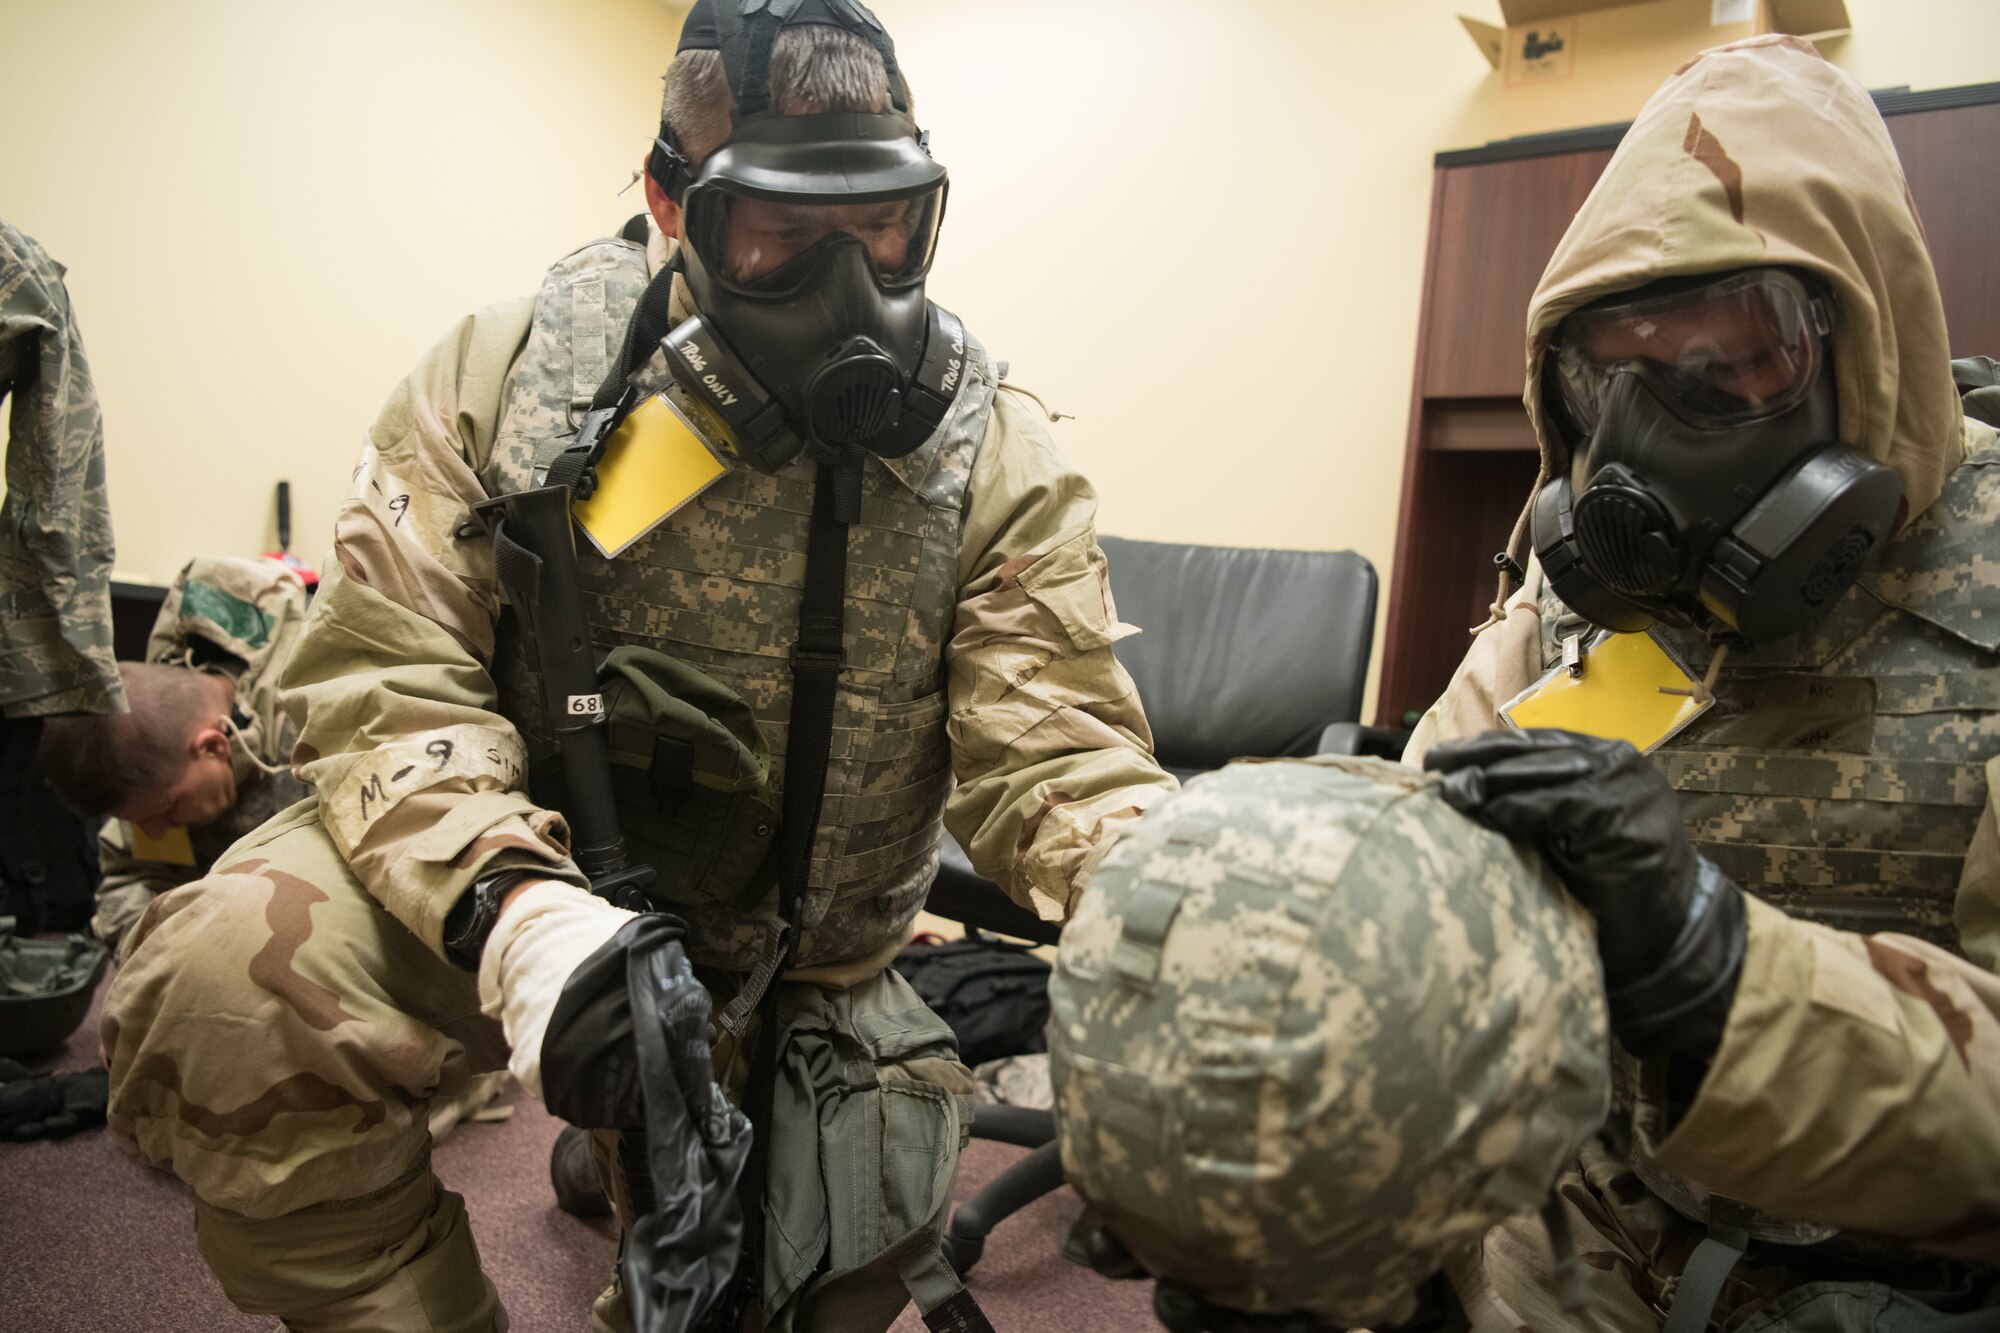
1494 226
1497 214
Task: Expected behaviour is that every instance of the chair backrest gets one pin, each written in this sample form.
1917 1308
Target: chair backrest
1245 651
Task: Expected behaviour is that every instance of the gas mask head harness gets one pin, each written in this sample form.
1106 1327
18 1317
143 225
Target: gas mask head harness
805 243
1700 481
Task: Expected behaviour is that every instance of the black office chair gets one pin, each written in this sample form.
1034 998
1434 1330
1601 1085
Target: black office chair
1245 652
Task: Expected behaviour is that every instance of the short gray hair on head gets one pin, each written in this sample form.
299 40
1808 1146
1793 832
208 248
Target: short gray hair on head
813 68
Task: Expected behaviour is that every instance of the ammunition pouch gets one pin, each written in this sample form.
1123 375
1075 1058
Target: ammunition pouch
691 776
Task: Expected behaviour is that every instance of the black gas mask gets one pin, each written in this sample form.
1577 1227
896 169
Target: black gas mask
805 241
1705 485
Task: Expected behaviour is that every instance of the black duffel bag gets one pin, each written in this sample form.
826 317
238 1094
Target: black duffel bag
993 994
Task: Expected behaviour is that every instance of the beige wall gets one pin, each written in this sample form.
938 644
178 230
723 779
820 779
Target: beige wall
269 208
1200 227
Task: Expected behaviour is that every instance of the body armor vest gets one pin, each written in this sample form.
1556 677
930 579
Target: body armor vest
718 585
1842 770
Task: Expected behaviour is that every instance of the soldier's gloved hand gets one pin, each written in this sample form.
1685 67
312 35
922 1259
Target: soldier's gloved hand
50 1106
544 934
590 1067
627 1047
1670 926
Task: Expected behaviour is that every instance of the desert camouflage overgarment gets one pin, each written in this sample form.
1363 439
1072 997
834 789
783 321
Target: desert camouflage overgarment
978 642
1846 773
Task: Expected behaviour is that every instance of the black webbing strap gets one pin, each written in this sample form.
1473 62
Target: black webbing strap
520 573
817 658
1700 1285
958 1314
816 663
747 30
575 467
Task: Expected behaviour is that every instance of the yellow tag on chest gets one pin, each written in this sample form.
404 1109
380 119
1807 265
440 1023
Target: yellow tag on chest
1621 687
175 848
652 465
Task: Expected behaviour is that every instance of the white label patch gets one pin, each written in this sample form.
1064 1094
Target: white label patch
1731 11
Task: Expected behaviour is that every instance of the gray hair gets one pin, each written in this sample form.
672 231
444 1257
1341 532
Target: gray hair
813 68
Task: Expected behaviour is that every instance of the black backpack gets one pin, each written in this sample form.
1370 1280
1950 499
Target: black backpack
48 855
992 993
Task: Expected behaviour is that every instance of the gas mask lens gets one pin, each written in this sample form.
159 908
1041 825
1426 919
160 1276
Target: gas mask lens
774 247
1735 350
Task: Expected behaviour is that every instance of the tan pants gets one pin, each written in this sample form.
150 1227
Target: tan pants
277 1040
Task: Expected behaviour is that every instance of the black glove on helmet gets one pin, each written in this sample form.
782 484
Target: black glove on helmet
1670 926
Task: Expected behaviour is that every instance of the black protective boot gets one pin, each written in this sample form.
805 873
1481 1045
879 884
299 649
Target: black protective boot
573 1172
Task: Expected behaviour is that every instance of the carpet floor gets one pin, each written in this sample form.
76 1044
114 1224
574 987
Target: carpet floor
91 1242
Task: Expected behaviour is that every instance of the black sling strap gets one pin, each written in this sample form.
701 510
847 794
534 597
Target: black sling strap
817 659
1702 1279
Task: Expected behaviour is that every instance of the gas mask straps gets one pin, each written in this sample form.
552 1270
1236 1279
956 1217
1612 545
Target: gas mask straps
806 240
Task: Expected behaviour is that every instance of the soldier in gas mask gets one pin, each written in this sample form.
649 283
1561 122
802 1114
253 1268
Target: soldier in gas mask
1757 468
282 1025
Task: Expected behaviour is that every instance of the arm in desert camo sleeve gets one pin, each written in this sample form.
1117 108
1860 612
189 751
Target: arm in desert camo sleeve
1857 1085
1049 740
421 780
1858 1080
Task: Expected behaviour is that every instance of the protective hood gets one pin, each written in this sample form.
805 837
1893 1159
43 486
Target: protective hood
1761 153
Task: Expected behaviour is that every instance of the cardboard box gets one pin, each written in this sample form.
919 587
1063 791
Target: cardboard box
1566 63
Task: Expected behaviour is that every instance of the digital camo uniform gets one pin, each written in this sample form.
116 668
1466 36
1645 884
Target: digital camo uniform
1845 773
55 525
978 635
239 617
1314 1032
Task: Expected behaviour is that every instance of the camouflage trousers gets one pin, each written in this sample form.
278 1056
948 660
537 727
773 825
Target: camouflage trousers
1633 1246
277 1040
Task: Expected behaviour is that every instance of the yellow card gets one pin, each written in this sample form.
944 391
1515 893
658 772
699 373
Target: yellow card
174 849
652 465
1619 694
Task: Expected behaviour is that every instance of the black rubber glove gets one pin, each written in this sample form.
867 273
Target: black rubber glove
1670 926
50 1106
627 1048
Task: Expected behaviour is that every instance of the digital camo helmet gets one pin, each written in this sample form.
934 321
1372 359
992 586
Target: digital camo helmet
1314 1032
806 240
1737 361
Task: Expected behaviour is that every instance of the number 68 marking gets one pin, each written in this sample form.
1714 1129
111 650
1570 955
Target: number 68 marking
586 705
